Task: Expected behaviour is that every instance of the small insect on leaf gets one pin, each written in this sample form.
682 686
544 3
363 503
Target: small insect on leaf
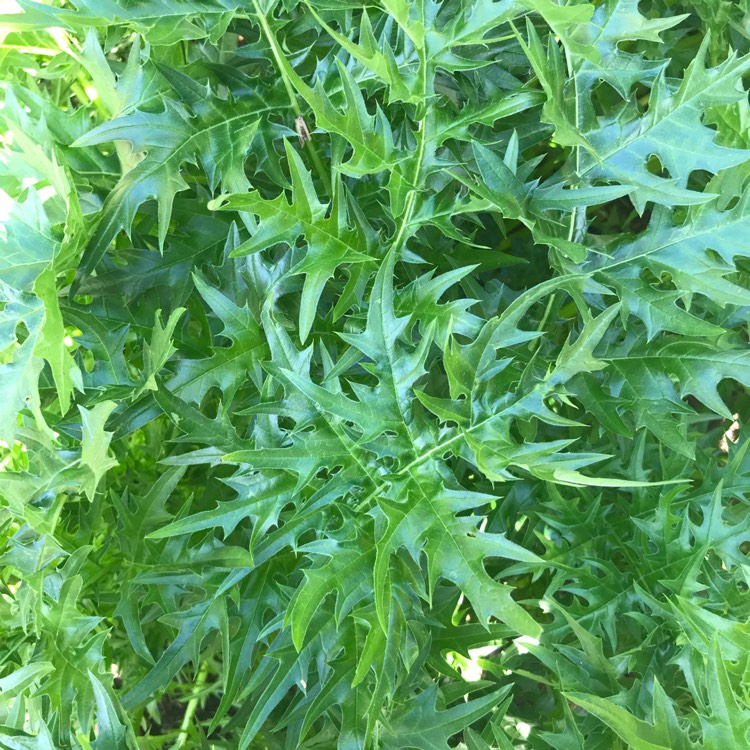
302 132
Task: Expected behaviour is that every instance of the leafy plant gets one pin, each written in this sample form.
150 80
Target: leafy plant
374 376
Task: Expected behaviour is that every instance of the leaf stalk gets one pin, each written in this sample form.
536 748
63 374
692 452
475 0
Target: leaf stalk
278 56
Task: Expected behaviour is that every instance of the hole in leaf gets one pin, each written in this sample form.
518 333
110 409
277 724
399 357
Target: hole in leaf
22 332
604 98
656 168
732 203
715 257
698 180
639 222
665 281
642 96
211 402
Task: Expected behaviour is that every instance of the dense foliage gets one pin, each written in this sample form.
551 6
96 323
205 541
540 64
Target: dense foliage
373 375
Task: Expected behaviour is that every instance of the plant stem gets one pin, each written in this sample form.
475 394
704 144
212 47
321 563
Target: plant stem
187 719
411 197
278 56
573 229
543 322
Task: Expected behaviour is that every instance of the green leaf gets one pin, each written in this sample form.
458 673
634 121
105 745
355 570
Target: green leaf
422 726
684 369
374 376
111 731
329 244
672 111
95 443
160 349
196 130
227 367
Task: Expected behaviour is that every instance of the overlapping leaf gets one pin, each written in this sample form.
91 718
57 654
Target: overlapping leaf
426 433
